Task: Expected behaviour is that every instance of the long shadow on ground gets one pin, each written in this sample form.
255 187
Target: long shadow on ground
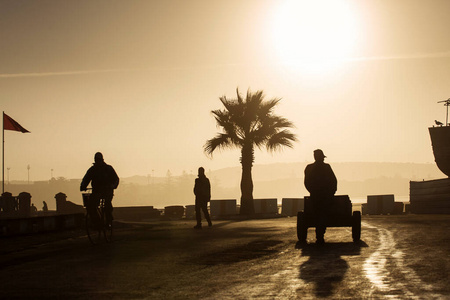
325 267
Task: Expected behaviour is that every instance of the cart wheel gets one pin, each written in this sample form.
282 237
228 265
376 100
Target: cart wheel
356 226
302 228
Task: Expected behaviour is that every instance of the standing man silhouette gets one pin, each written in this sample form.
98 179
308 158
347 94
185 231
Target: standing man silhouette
202 191
321 184
104 181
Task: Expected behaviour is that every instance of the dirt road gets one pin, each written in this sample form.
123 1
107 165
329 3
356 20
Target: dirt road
401 257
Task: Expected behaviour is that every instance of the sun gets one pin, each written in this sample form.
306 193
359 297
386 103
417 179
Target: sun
314 35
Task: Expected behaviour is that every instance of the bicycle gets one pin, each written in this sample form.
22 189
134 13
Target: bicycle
96 226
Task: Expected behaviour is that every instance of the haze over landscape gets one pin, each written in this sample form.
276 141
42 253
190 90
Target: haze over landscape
137 80
280 180
163 87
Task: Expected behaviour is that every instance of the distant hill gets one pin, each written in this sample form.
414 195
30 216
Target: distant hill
278 180
346 171
349 171
357 179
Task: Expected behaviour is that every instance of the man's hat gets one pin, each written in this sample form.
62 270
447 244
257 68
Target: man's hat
98 157
319 152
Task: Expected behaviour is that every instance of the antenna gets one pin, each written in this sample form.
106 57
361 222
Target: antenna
446 103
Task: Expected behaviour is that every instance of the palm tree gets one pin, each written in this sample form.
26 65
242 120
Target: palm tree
247 123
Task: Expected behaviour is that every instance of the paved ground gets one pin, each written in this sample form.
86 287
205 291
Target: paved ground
400 257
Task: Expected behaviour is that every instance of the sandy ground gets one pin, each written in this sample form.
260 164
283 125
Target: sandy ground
400 257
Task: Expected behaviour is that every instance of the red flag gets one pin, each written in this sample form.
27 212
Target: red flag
10 124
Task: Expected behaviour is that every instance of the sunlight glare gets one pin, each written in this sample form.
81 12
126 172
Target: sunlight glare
314 36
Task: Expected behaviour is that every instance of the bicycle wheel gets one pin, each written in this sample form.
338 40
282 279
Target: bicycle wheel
107 228
93 232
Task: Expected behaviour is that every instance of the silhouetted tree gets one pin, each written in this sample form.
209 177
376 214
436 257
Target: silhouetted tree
247 123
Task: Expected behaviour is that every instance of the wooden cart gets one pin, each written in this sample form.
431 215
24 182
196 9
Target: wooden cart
340 216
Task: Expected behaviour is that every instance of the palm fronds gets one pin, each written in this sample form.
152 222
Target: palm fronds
250 121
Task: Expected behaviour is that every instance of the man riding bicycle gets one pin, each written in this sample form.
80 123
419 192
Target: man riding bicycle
104 181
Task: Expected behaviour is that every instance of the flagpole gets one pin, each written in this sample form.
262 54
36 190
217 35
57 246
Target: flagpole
3 152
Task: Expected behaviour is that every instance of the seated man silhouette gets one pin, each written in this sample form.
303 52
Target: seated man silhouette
321 184
45 207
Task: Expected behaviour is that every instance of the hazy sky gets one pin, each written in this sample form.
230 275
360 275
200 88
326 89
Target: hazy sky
137 80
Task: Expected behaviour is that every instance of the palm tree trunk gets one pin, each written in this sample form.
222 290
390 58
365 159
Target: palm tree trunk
247 159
